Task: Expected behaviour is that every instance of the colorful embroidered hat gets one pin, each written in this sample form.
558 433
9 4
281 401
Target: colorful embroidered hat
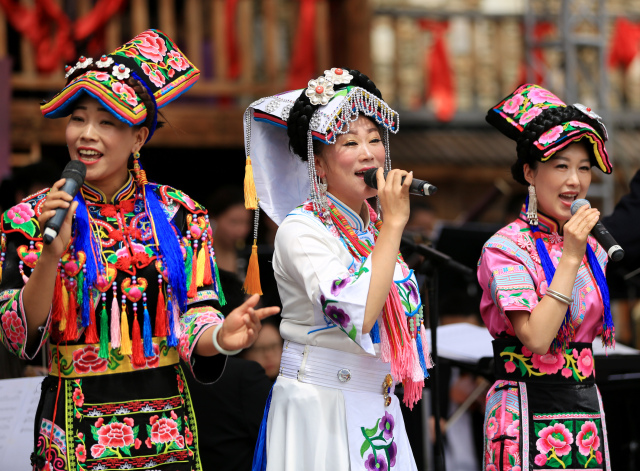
276 178
151 57
531 103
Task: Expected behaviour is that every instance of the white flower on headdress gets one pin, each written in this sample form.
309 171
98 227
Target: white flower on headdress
84 62
68 70
338 75
591 114
320 91
120 72
104 62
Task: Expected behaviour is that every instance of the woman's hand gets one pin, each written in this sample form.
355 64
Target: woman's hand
241 327
394 196
575 233
57 199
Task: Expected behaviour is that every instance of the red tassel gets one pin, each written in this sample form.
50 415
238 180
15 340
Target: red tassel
57 307
71 332
161 316
91 334
208 276
193 288
137 354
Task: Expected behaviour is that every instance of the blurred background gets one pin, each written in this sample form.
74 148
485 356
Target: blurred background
440 63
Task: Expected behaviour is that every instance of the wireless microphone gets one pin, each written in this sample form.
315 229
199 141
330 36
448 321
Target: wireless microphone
601 234
418 187
74 174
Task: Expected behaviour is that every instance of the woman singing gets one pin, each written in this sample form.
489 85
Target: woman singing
545 297
352 316
123 297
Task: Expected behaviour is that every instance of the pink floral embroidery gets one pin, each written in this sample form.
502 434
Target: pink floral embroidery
548 363
20 213
13 327
510 366
81 453
540 459
551 135
513 104
153 73
78 397
555 437
492 427
205 318
588 439
163 430
177 61
540 95
567 372
115 435
585 362
102 76
151 46
97 451
528 115
526 352
125 92
87 360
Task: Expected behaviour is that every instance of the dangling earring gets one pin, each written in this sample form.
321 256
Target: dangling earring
532 207
318 190
141 175
322 195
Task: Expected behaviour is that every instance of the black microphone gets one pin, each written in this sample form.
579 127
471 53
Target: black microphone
74 174
418 187
602 235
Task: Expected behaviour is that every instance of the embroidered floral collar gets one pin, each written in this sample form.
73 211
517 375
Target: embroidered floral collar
546 224
94 195
354 219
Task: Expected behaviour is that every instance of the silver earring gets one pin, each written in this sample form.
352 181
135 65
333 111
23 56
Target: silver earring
532 208
322 196
318 190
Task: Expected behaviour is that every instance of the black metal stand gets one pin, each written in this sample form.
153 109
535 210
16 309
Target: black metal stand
434 259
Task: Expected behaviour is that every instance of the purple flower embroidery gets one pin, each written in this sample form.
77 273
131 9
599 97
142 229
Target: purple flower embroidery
393 452
338 285
410 288
338 316
386 425
375 463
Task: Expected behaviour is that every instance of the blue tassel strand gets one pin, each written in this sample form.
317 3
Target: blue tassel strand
375 333
85 241
260 452
608 329
147 336
172 340
423 363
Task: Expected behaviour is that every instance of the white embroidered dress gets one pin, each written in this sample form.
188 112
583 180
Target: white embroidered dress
328 409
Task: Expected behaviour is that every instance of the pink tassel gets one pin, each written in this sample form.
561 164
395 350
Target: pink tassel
412 392
25 278
115 323
416 371
425 348
385 345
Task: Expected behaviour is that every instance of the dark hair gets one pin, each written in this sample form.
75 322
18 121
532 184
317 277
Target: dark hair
302 111
140 90
529 154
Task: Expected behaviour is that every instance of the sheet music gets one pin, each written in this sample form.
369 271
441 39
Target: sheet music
18 403
468 343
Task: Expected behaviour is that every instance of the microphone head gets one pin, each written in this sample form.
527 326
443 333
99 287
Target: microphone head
577 204
75 170
370 177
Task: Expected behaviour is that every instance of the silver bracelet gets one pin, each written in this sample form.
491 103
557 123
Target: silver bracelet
214 337
559 296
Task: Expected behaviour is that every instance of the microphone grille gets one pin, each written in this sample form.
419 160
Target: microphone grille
75 170
370 177
577 204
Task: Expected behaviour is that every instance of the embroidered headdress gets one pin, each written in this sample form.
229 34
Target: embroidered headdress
280 175
542 124
151 57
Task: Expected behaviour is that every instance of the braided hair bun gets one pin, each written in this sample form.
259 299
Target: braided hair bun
302 111
528 153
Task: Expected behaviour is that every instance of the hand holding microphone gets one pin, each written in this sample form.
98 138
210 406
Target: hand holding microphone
418 187
601 234
59 200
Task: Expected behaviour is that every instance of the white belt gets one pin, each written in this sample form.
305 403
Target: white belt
334 368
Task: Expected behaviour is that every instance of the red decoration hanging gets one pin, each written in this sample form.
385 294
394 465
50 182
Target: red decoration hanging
439 85
625 43
303 62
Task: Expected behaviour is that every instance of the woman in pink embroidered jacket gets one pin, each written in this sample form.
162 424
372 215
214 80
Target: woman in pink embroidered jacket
545 298
125 294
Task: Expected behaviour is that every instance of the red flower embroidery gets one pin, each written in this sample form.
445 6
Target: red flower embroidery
151 362
115 435
97 451
151 46
548 363
180 441
188 436
87 360
137 443
13 326
177 61
128 421
588 438
78 398
556 437
125 92
81 453
99 422
180 384
164 431
510 366
152 72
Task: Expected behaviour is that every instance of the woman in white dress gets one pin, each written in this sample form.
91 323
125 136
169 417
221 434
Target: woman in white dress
352 316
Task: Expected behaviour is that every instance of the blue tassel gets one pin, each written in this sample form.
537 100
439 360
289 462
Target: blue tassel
608 329
423 363
86 242
147 336
169 247
375 333
172 340
260 452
